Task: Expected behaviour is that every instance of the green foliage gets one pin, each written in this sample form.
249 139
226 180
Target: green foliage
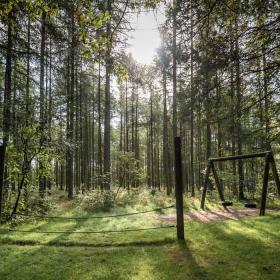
36 204
6 8
99 21
97 200
120 71
151 3
129 166
30 146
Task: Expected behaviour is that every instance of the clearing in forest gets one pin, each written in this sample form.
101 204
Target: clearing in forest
220 215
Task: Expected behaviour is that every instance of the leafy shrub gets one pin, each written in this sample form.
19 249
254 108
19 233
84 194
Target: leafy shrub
39 205
97 200
104 201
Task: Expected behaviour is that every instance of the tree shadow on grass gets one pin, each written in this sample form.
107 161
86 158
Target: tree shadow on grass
194 270
75 237
58 243
41 236
239 253
152 260
267 227
229 254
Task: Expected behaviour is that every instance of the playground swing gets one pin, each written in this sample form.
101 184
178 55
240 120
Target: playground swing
269 161
251 203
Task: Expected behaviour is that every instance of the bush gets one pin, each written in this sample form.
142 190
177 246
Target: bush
33 206
104 201
39 205
97 200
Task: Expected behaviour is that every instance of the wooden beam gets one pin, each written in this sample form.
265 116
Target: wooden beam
179 189
265 183
275 174
262 154
219 187
204 190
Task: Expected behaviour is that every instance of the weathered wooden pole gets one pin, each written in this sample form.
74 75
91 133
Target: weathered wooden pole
219 186
268 159
204 190
179 189
2 168
275 174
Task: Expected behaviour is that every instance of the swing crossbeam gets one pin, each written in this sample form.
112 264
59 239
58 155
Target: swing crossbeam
255 155
269 162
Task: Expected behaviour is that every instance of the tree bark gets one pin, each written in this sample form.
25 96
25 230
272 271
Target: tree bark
238 113
42 181
70 132
107 113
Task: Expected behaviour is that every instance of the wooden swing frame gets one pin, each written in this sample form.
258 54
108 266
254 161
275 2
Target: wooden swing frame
269 161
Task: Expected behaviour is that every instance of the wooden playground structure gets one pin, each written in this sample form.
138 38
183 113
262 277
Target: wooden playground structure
269 162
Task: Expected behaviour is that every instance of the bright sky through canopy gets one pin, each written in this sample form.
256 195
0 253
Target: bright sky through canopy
145 39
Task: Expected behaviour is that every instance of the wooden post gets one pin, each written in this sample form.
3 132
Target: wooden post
265 183
219 187
275 174
2 168
179 189
206 179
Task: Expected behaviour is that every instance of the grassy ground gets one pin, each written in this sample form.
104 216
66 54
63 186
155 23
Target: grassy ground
245 249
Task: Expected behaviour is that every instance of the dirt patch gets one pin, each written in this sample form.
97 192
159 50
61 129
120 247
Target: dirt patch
220 215
179 256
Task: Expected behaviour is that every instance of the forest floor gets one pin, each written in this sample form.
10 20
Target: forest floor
248 248
219 215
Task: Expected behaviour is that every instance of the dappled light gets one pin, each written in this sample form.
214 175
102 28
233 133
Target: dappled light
139 140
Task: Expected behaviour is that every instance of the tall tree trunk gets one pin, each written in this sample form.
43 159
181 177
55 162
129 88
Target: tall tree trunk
174 77
50 105
238 113
192 114
148 171
6 113
126 133
266 99
165 137
174 54
70 132
27 104
85 140
92 148
42 181
120 168
137 151
100 163
199 144
107 113
233 119
78 135
152 141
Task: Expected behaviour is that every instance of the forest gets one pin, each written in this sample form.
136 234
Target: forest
87 157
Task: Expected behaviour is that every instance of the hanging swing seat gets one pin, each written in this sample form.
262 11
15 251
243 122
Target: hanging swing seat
250 204
227 203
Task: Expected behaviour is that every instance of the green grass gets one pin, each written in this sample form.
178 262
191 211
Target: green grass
244 249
